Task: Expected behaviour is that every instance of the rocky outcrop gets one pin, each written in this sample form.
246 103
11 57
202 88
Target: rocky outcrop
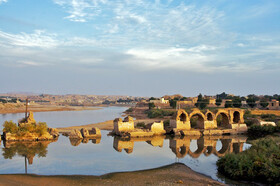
93 133
84 135
75 134
54 132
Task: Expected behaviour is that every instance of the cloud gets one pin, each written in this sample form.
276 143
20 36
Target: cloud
3 1
37 39
151 21
80 10
144 35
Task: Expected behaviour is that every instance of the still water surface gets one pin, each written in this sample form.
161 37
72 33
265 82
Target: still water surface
112 154
69 118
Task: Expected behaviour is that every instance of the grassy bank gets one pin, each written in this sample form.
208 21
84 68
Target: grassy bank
260 163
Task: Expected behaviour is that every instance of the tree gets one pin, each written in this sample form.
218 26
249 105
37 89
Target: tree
251 101
264 103
10 126
151 105
236 102
152 98
228 104
218 102
173 103
222 96
3 100
183 98
201 103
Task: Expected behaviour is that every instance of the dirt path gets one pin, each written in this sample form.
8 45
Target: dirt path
174 174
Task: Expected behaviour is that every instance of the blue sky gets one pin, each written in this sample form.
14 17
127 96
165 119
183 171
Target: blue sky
140 47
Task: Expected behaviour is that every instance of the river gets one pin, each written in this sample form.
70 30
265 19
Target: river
110 154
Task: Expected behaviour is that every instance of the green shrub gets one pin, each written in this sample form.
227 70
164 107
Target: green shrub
129 110
40 128
159 113
257 131
166 123
269 117
140 125
10 126
152 105
259 163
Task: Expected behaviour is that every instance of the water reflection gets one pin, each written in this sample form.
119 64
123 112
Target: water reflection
28 150
115 154
207 145
180 146
128 143
78 141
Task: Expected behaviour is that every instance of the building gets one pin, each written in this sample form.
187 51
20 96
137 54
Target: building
160 101
273 105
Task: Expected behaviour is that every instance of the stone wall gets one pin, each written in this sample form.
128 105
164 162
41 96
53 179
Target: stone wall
157 128
180 120
127 125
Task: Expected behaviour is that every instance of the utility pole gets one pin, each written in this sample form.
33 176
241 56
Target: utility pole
26 105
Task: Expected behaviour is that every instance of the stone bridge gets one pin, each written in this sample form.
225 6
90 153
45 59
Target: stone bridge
231 118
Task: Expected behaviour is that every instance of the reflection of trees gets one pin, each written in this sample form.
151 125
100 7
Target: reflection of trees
25 149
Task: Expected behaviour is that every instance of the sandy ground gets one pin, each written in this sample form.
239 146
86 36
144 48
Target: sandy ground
20 108
106 125
174 174
260 112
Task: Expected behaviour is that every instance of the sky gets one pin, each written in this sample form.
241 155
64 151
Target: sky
140 47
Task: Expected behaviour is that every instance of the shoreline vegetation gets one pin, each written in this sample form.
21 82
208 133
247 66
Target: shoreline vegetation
174 174
259 163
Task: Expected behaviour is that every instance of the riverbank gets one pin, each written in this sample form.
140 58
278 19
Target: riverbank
106 125
20 108
173 174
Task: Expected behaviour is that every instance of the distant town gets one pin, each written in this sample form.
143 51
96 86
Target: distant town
223 100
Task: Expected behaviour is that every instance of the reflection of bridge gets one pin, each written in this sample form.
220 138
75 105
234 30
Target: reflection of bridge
207 145
221 118
128 144
181 146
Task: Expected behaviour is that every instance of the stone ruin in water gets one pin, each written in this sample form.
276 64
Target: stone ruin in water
83 135
51 134
126 128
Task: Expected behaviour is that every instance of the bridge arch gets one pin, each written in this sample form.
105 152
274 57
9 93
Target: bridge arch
223 119
181 116
236 117
210 116
198 121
